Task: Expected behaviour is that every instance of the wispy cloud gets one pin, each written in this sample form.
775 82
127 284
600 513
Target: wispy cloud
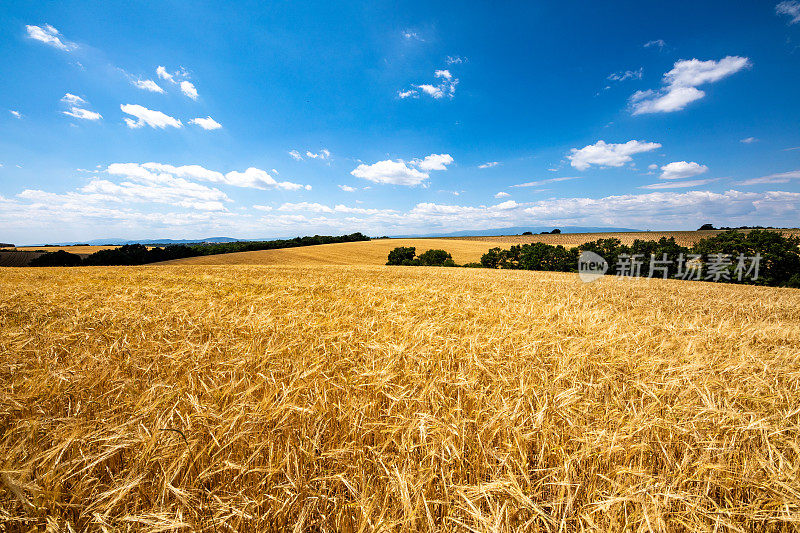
783 177
489 164
50 36
77 109
147 85
678 184
545 182
790 8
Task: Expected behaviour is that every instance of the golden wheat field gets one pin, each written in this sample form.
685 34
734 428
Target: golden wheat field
361 398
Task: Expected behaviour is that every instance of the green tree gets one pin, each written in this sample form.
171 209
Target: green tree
401 254
436 258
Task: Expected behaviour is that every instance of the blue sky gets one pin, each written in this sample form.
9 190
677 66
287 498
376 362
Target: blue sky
188 120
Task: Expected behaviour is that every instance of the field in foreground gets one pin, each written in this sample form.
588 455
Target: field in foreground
327 398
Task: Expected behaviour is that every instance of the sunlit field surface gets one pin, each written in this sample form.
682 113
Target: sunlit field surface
335 398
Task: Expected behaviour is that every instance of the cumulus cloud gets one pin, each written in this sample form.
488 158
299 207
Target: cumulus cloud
434 162
16 113
783 177
682 169
147 85
207 123
297 156
50 36
608 154
400 172
189 89
489 164
148 117
680 84
347 188
790 8
502 194
392 172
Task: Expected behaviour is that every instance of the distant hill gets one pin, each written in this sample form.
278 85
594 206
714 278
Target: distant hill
517 230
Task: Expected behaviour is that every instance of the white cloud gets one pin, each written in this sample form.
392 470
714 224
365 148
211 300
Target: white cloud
608 155
749 140
260 179
545 182
75 111
50 36
263 208
658 42
502 194
83 114
148 117
791 8
305 206
16 113
626 75
400 172
411 35
297 156
253 178
682 169
189 89
207 123
392 172
434 162
322 154
489 164
455 60
347 188
72 99
783 177
678 184
147 85
164 75
652 167
680 84
445 88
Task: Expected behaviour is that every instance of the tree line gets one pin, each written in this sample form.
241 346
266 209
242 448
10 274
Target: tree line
138 254
777 263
